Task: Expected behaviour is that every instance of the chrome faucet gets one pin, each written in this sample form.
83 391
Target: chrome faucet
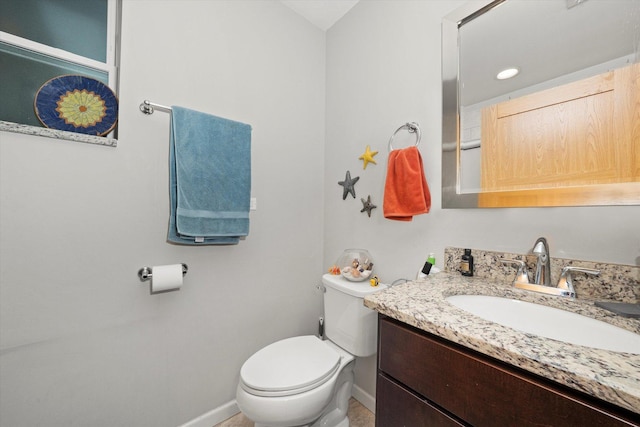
542 277
566 280
543 265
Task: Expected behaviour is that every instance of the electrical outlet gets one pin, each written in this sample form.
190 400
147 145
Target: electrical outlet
253 204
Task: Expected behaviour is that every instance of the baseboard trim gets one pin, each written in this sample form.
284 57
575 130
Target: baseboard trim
228 410
365 398
214 416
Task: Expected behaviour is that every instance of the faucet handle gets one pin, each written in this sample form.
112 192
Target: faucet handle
521 275
566 280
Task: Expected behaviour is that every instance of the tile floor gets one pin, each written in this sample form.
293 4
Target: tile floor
359 416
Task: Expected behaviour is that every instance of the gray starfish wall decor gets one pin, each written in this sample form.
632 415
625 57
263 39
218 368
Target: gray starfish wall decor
348 184
367 206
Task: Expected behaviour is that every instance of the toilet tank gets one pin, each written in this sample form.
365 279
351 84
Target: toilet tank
347 322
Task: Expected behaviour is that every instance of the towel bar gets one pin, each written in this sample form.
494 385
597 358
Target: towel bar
146 273
412 127
148 107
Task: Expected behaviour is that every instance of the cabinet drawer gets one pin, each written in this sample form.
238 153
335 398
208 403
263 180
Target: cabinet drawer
398 407
479 390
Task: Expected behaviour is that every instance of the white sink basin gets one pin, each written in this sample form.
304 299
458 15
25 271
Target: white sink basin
549 322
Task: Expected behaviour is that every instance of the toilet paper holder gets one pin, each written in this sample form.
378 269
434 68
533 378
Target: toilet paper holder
146 273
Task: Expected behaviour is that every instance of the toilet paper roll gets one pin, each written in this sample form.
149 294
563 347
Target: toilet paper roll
166 277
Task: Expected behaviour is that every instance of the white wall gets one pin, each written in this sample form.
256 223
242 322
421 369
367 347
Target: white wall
82 341
383 70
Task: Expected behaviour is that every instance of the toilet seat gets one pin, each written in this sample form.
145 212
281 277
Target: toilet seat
290 366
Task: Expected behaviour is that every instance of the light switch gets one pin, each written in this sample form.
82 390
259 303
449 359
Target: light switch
253 204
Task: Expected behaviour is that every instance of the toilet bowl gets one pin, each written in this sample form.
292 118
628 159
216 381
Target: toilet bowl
306 381
300 381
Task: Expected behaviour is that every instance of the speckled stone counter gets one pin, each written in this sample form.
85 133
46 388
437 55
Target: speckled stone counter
610 376
616 282
57 134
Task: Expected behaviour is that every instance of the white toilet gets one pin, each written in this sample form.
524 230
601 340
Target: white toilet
305 381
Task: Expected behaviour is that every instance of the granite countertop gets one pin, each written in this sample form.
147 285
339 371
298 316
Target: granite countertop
611 376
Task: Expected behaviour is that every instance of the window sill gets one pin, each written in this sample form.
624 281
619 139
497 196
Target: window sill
57 134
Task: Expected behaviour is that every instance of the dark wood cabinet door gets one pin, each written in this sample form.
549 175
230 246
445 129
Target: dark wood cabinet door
482 391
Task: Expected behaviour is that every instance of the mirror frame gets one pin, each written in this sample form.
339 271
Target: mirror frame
591 195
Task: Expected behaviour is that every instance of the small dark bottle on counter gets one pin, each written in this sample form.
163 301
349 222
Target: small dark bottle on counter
466 265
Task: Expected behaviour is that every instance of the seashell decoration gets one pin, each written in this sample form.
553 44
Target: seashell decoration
355 265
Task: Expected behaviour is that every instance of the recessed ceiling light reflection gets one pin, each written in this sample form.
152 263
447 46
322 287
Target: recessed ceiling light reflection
507 73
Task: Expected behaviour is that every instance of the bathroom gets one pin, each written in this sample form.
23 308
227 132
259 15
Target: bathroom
82 340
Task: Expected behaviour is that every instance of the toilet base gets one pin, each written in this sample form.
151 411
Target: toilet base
324 406
343 423
335 414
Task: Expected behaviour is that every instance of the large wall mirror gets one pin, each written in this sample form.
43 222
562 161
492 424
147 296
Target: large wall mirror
565 130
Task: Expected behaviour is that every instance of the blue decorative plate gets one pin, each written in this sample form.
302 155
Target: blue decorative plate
77 104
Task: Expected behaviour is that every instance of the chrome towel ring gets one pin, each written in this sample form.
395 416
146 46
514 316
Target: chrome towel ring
412 127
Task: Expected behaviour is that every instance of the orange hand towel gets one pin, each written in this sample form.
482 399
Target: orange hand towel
406 192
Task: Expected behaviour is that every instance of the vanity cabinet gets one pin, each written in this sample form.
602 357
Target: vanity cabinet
424 380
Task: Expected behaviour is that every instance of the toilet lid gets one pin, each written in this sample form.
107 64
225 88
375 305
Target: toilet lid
292 365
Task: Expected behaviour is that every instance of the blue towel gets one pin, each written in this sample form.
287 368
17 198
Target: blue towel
210 179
